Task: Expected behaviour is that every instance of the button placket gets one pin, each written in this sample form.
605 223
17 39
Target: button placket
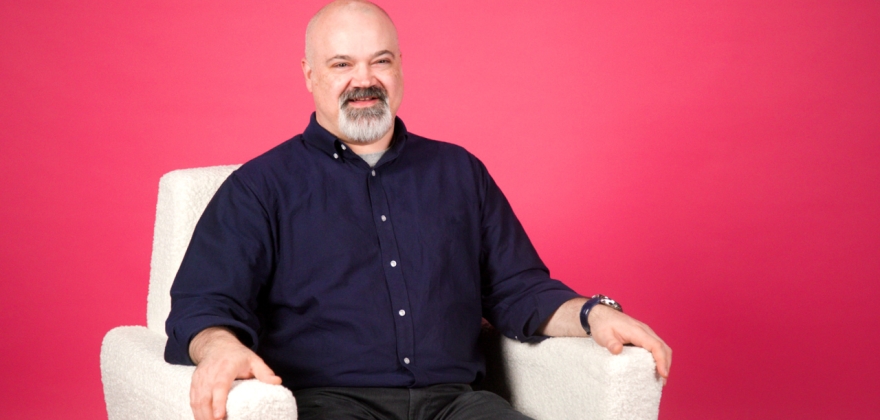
394 275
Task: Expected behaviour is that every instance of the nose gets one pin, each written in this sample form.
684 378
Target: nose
363 76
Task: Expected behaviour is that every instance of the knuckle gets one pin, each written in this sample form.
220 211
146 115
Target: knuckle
221 364
202 396
253 359
199 397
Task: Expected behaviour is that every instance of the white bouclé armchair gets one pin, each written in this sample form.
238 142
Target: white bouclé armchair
557 379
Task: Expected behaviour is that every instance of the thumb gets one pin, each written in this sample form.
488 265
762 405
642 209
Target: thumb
263 372
614 345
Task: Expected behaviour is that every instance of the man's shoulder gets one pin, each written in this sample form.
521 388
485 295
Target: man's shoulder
424 147
289 153
271 166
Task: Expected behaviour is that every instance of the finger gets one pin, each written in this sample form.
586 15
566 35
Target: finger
200 400
655 345
219 401
664 361
264 373
661 361
668 351
615 346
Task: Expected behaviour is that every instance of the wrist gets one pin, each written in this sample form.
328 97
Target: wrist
206 340
595 305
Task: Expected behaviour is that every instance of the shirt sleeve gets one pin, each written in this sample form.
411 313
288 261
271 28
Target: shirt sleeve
228 261
517 291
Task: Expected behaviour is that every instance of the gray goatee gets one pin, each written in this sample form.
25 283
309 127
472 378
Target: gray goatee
364 125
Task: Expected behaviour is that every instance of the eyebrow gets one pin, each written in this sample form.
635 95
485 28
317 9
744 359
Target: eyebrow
348 57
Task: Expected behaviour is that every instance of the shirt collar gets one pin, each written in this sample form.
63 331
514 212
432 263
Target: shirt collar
326 142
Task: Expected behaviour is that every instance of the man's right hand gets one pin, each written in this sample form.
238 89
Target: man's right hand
220 359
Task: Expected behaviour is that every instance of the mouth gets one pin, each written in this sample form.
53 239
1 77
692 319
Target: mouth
363 97
361 102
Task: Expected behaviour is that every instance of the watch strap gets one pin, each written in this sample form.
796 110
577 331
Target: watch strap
590 304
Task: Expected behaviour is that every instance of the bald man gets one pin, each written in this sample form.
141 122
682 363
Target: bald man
354 263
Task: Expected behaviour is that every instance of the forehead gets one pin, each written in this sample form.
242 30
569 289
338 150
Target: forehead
354 33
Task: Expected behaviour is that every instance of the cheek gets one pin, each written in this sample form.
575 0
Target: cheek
329 84
328 91
394 84
397 94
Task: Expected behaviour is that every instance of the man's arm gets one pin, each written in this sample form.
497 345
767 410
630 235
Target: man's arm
610 329
227 263
518 292
220 359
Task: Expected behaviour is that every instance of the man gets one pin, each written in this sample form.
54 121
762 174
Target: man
357 259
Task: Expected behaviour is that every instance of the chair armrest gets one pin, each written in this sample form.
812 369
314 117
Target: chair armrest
139 384
575 378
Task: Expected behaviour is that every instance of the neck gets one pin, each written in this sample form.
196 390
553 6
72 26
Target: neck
360 148
376 146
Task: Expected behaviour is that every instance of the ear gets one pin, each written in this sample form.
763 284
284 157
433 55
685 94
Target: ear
307 74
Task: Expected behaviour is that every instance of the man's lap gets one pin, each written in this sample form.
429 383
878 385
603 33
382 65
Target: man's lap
439 402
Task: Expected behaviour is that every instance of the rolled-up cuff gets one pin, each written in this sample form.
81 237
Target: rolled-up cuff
545 304
177 346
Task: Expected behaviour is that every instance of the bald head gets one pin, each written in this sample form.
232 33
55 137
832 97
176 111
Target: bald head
337 13
353 70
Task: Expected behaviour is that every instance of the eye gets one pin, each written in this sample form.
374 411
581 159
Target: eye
339 65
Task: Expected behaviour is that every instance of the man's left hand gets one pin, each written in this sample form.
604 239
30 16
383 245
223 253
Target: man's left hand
610 329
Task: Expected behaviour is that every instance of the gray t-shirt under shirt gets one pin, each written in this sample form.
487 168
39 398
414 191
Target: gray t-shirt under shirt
372 158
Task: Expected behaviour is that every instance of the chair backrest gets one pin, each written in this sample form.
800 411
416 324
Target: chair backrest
183 195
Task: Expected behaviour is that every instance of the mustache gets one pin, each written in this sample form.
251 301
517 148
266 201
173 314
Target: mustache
354 94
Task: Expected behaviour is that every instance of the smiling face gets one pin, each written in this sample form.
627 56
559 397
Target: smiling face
352 68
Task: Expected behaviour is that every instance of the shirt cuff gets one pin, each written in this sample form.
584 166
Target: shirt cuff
546 303
177 346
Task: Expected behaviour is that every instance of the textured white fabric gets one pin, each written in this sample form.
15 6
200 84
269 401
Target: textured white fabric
138 384
183 196
558 379
575 378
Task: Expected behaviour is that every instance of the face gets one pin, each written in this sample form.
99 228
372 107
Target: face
354 74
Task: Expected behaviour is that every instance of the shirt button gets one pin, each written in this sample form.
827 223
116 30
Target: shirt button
343 147
393 263
374 172
335 156
383 218
401 312
406 360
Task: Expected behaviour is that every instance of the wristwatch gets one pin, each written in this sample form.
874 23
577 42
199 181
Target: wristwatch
593 301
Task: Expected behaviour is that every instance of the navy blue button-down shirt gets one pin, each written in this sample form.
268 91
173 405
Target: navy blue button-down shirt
338 274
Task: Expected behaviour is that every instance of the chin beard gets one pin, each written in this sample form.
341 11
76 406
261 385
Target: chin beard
365 125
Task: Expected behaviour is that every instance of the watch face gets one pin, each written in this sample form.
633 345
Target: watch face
607 301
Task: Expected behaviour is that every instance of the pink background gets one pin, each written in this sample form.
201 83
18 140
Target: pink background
713 165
